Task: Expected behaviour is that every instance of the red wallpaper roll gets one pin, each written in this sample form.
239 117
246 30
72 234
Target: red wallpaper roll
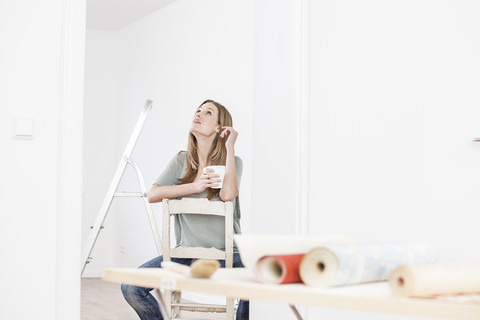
279 269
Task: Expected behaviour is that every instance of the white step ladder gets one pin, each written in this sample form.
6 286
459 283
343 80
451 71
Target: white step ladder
112 191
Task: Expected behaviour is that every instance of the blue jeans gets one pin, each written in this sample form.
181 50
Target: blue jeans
146 306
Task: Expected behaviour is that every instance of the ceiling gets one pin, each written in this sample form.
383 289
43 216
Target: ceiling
116 14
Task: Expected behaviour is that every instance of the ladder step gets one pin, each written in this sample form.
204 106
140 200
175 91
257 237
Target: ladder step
130 194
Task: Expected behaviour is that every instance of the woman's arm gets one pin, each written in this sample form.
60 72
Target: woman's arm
157 193
229 189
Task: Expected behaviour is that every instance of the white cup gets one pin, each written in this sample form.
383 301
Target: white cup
220 170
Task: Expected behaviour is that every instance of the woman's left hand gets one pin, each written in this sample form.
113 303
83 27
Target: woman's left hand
232 136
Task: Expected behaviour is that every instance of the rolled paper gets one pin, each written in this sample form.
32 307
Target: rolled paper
253 247
427 280
336 265
279 269
198 269
202 268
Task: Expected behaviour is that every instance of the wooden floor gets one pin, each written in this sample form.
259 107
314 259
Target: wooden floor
104 301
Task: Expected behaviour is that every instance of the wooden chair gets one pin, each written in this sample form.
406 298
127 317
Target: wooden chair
201 206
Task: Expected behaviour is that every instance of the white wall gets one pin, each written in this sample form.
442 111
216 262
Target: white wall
41 78
178 57
394 108
392 114
275 122
277 80
391 117
101 146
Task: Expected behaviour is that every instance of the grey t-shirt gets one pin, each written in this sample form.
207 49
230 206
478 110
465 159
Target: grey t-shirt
199 230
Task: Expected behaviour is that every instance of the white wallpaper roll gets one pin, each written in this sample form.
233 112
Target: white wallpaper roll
426 280
335 265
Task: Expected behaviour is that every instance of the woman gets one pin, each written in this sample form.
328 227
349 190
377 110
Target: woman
211 141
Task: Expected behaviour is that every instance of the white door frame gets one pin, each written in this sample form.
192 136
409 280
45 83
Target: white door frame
70 156
303 142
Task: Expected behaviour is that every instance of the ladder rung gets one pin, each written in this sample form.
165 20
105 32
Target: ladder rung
130 194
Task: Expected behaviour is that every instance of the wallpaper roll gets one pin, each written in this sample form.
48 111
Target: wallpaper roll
279 269
426 280
254 247
336 265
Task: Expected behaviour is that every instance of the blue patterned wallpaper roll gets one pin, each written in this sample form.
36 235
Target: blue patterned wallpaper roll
349 264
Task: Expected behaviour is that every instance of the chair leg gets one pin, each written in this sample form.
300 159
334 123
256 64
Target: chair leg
161 305
167 298
176 297
230 309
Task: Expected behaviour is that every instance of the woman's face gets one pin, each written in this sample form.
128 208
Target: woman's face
205 120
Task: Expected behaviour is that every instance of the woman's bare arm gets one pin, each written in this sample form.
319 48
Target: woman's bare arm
157 193
229 189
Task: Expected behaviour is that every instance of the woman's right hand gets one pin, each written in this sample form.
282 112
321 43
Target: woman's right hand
207 180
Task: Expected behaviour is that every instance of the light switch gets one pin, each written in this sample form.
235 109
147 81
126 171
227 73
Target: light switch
23 128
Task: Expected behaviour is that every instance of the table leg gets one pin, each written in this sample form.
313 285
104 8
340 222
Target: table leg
295 311
161 305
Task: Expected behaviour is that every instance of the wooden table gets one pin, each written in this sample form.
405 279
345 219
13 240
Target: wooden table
239 283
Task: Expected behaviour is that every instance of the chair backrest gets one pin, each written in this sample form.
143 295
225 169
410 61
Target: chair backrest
201 206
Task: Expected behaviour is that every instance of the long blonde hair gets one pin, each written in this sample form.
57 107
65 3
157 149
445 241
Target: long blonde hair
216 156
